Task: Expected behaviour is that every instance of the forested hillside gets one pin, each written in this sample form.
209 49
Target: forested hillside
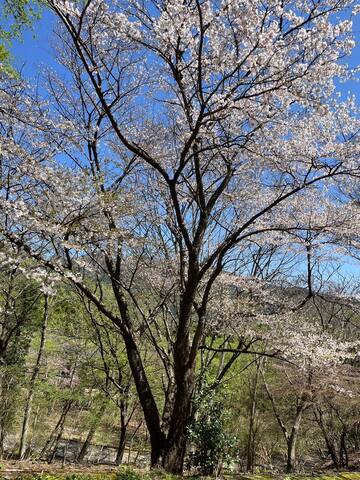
264 397
179 237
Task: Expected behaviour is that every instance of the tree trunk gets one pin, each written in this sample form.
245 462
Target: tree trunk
168 406
89 438
123 428
291 455
60 432
166 451
58 428
292 440
184 366
146 397
28 405
343 455
330 444
175 448
2 440
250 457
121 447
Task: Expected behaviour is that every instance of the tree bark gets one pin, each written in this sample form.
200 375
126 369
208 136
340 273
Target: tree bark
2 440
58 428
61 425
89 438
148 404
292 440
122 438
184 365
29 400
121 447
175 449
330 444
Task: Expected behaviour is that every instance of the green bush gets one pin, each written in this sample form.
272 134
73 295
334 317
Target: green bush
208 436
78 476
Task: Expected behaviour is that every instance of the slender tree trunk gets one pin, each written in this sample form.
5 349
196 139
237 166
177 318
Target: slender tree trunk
28 405
121 447
60 430
66 447
2 440
147 400
250 460
122 438
343 455
330 444
168 405
290 437
89 438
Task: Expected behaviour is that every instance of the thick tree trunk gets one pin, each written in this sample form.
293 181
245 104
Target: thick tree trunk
28 405
291 458
333 454
175 449
143 388
184 366
168 450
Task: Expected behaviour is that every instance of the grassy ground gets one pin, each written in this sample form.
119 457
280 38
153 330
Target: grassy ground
43 471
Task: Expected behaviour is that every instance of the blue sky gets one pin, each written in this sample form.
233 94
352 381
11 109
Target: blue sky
35 48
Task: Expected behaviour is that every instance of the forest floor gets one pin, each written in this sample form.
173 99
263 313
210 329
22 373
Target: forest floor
28 470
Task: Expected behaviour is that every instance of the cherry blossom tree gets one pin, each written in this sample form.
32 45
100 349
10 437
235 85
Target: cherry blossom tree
173 136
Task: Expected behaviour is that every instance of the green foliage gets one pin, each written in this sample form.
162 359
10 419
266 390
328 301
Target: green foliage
127 473
15 16
78 476
207 434
72 476
5 59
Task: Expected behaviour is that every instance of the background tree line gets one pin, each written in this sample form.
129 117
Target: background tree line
67 391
